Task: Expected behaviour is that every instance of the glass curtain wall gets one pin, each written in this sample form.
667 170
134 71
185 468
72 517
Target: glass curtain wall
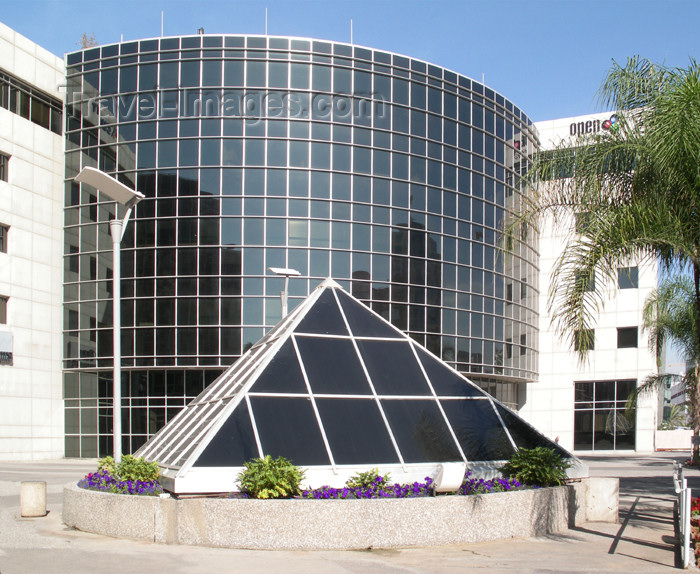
386 173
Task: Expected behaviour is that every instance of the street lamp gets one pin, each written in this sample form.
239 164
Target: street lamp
128 198
286 273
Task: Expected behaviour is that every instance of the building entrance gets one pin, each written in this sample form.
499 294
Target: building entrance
601 419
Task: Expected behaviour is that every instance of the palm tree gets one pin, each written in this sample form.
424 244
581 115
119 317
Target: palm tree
670 316
638 184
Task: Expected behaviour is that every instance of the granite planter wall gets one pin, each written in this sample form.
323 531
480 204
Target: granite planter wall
677 439
339 524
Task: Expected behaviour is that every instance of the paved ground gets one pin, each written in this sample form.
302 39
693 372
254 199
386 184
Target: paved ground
643 541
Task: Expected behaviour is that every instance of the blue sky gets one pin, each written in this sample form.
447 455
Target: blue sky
547 56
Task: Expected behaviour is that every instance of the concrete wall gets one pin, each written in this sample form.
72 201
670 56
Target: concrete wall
31 272
340 524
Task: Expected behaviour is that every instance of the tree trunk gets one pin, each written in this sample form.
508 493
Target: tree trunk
695 458
695 399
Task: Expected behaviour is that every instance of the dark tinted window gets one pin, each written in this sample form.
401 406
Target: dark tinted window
478 429
356 432
332 366
324 317
233 444
283 374
628 278
393 368
626 337
288 427
420 431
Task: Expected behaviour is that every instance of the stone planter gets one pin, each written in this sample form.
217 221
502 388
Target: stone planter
329 524
677 439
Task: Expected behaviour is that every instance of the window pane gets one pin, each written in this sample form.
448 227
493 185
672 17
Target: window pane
353 443
478 429
420 431
628 278
393 368
626 337
332 366
233 444
288 427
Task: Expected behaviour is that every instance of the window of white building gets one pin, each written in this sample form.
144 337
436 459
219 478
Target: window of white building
628 278
3 310
627 337
4 162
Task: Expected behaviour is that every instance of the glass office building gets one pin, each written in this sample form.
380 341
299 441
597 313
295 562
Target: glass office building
388 174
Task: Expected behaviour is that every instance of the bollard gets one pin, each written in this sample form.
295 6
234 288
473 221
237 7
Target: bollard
32 499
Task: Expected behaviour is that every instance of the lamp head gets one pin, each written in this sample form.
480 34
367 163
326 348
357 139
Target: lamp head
284 271
108 185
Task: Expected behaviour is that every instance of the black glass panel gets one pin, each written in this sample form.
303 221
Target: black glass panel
356 431
324 317
421 431
362 322
233 444
332 366
393 368
478 429
624 430
288 427
283 374
604 429
624 389
445 382
524 435
583 430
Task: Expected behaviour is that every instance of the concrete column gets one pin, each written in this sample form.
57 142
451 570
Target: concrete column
32 499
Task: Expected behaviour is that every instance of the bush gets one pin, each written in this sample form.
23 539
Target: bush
271 478
539 466
132 468
107 464
368 479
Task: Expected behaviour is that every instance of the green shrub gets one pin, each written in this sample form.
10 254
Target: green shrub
107 463
271 478
539 466
368 479
132 468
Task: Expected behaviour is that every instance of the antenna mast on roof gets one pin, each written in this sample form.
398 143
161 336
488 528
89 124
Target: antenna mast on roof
162 13
351 31
265 20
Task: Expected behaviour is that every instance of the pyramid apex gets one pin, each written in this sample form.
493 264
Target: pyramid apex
331 283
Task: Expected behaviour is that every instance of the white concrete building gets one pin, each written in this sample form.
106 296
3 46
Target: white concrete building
583 405
31 249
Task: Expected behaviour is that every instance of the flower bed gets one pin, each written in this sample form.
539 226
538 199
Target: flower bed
103 481
379 489
695 528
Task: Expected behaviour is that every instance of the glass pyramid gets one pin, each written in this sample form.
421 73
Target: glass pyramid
336 389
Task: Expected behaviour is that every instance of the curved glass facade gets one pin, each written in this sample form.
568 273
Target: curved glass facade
388 174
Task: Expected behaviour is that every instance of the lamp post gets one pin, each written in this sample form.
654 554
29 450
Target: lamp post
128 198
286 273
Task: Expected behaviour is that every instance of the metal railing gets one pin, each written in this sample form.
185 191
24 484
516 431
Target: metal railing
680 484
